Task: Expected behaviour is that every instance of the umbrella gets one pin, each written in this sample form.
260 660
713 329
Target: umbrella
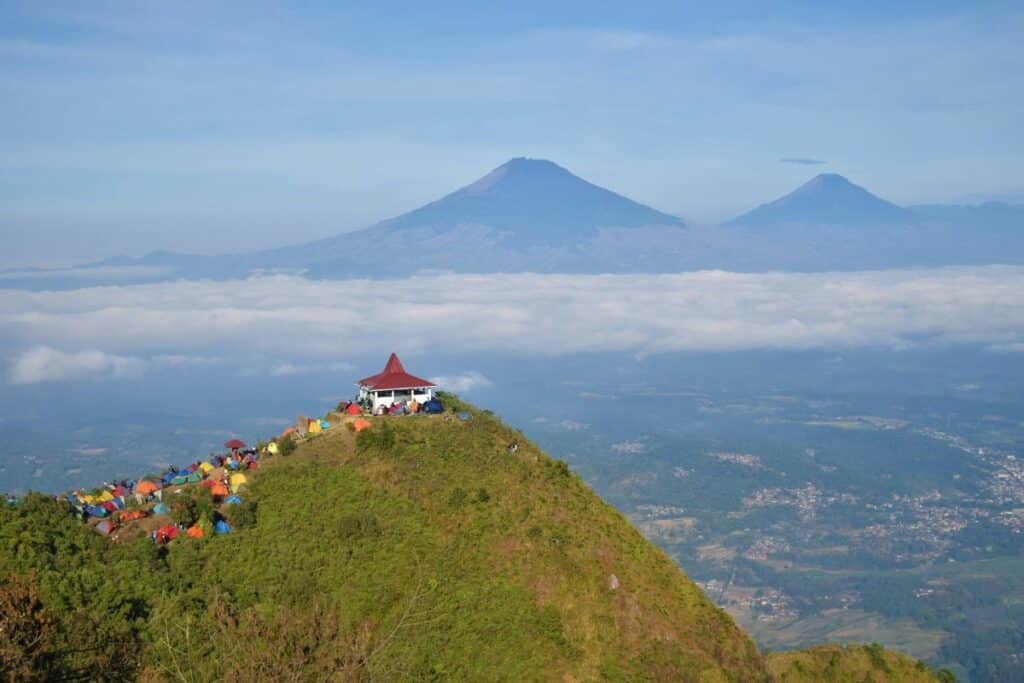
234 444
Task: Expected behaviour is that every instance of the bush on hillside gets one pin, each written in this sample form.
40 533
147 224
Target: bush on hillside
184 510
286 445
242 515
26 631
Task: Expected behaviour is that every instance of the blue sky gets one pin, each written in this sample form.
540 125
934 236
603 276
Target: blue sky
127 127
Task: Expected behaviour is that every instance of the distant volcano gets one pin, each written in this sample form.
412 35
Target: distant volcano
534 202
826 200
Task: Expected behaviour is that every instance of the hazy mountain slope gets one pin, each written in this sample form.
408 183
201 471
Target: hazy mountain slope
827 200
535 201
531 215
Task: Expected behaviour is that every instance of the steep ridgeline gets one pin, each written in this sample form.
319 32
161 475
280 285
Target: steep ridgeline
423 548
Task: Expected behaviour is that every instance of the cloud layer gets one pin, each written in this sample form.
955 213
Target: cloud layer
45 364
99 331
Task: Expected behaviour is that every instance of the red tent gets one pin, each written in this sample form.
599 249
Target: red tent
167 533
353 409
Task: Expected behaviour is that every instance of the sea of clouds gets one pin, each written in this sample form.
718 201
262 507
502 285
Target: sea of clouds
125 330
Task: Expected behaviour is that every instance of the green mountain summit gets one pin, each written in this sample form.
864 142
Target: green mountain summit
422 548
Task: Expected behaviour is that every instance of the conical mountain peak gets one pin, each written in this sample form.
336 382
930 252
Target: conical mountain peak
533 202
828 199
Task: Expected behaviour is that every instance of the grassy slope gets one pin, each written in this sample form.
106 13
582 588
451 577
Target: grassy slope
847 664
465 560
424 550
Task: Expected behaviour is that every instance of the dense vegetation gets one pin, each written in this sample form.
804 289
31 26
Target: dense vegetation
423 549
850 664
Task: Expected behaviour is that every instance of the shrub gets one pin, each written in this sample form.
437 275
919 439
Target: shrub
184 510
482 496
242 515
360 525
286 445
26 632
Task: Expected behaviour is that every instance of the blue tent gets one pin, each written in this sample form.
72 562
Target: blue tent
233 500
96 511
221 527
161 509
432 406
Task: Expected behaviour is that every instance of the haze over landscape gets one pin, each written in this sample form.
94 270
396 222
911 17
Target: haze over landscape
756 274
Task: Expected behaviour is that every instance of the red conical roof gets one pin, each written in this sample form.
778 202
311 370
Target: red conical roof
394 376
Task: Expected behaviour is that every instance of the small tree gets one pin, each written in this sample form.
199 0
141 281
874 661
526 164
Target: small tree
241 515
26 628
286 445
184 511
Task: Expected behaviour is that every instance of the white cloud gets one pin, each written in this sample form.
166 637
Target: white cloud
467 381
284 369
45 364
309 326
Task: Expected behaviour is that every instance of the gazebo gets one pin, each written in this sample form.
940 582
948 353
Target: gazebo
393 385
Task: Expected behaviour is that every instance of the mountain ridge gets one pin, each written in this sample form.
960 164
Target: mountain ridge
532 215
421 548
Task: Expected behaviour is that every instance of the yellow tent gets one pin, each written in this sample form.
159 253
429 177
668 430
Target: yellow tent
236 480
206 467
314 427
105 496
272 448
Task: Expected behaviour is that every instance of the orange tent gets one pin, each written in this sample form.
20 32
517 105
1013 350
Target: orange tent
353 409
361 424
131 515
219 490
194 532
289 431
146 488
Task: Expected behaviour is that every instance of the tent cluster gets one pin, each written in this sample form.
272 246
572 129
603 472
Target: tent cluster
122 502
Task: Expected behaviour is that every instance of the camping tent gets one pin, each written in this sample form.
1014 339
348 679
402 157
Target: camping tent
206 467
106 527
236 481
432 406
146 488
219 490
233 500
195 532
221 527
353 409
272 448
161 509
167 533
131 515
362 424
